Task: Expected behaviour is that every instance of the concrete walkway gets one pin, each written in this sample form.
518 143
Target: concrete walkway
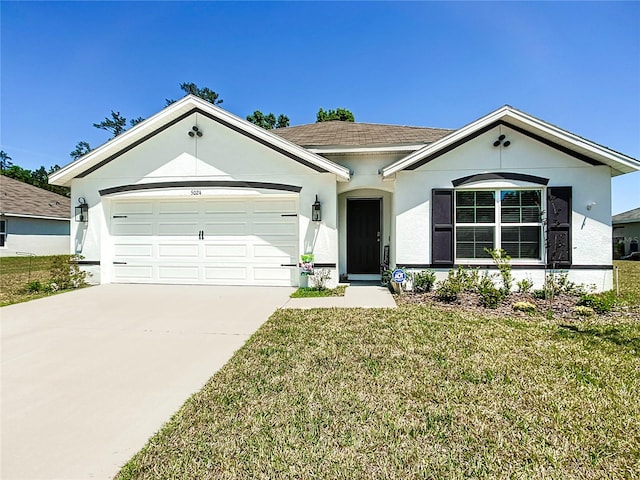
356 296
89 376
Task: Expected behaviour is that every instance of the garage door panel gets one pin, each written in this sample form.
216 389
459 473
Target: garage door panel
168 250
226 207
274 229
219 251
226 228
275 207
181 208
133 272
133 250
132 229
271 274
178 272
184 229
132 208
226 274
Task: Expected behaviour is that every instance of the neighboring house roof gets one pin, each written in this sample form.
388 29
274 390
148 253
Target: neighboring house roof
359 134
20 199
173 114
630 216
541 131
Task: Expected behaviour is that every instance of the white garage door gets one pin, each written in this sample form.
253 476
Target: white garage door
239 241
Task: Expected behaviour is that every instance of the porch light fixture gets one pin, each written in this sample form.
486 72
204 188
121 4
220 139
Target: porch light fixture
499 141
315 211
82 211
590 205
195 131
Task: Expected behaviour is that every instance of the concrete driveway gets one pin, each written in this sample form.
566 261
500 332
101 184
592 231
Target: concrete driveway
89 376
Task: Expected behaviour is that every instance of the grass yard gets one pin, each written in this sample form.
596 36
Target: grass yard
17 272
416 392
629 275
307 292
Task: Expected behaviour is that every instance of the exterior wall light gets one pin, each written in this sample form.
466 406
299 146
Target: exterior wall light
591 205
194 131
315 211
82 211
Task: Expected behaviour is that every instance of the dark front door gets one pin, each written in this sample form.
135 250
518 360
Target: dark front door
363 235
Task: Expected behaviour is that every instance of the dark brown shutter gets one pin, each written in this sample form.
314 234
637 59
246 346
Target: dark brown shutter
442 227
559 227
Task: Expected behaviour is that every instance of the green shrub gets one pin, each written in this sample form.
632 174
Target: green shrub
447 290
600 303
540 294
503 262
525 285
490 296
524 307
34 286
66 273
423 281
583 311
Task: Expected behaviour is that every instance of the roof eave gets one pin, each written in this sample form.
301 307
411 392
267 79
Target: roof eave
618 162
64 176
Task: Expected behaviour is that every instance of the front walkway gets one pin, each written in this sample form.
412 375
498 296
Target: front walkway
356 296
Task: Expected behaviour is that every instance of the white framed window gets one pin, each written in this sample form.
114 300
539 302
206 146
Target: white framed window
510 219
3 233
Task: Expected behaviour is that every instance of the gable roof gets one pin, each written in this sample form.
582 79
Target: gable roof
541 131
23 200
353 134
630 216
178 111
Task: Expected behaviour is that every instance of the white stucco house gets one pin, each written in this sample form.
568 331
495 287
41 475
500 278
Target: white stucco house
197 195
32 220
626 233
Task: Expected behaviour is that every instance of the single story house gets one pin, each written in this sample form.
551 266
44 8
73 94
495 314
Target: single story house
626 233
32 220
196 195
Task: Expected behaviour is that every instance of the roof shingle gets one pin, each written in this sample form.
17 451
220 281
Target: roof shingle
19 198
358 134
627 217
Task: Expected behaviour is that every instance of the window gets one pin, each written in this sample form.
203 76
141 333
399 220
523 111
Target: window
3 233
507 219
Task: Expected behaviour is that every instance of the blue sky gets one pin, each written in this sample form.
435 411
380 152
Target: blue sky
65 65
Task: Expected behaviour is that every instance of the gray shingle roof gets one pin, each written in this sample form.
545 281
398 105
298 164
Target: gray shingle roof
339 133
20 198
627 217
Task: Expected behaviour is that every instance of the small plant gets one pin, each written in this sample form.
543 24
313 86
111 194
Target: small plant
447 290
503 262
490 296
526 307
34 286
583 311
600 303
320 277
423 281
385 279
525 285
66 273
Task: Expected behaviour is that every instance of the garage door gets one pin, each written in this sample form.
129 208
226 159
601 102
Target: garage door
239 241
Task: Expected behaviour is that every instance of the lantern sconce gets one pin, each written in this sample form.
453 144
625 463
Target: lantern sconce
590 205
82 211
315 211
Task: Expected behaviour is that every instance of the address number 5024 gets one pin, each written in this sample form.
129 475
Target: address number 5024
196 192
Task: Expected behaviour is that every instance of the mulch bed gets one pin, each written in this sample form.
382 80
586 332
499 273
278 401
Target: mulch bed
562 305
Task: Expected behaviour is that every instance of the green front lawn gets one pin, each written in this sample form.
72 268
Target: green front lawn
415 392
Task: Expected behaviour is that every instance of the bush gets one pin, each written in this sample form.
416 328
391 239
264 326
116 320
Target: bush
447 290
320 277
524 307
503 262
65 273
525 285
34 287
600 303
423 281
583 311
490 296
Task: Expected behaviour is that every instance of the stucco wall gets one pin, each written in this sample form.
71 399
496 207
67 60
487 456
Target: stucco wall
220 154
35 235
591 229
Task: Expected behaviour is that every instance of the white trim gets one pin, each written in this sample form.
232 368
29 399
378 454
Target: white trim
64 176
619 162
41 217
